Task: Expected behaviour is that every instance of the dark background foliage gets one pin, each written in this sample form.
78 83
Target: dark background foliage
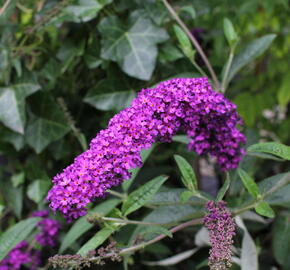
66 67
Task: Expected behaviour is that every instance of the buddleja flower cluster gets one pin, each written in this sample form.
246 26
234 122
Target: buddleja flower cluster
48 227
188 105
221 229
23 254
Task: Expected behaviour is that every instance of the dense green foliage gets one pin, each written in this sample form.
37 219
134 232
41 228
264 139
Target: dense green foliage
66 67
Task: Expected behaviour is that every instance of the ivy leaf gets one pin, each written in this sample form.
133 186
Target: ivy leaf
12 105
37 190
13 196
188 175
16 234
264 209
110 101
276 149
81 226
249 183
46 124
99 238
80 11
142 195
252 51
132 46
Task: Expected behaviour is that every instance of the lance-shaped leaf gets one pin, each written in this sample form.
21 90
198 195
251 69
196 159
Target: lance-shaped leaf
81 226
249 183
281 240
188 175
132 46
273 148
99 238
142 195
12 105
16 234
252 51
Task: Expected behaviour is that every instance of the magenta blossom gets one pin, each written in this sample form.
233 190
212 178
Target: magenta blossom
157 114
20 256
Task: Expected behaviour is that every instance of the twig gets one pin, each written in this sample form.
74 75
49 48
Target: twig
6 4
195 43
162 236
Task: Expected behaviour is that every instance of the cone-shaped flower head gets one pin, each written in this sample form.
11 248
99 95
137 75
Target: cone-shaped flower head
189 105
221 229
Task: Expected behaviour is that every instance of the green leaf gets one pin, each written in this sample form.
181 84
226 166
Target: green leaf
173 196
275 189
184 42
185 196
155 229
13 197
12 105
142 195
284 92
81 226
252 51
230 33
188 175
276 149
46 124
18 179
224 189
110 101
281 240
144 155
80 11
190 10
249 254
132 46
181 138
99 238
37 190
16 234
264 209
249 183
16 139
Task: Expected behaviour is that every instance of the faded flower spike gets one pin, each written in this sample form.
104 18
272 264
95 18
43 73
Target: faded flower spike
188 104
221 229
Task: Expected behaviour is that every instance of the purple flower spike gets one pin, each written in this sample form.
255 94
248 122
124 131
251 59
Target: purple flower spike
221 229
49 229
21 255
189 105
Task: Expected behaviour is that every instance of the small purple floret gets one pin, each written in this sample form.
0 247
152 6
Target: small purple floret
221 229
157 114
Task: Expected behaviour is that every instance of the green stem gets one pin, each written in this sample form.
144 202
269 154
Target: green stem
227 71
200 70
117 194
194 42
127 221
